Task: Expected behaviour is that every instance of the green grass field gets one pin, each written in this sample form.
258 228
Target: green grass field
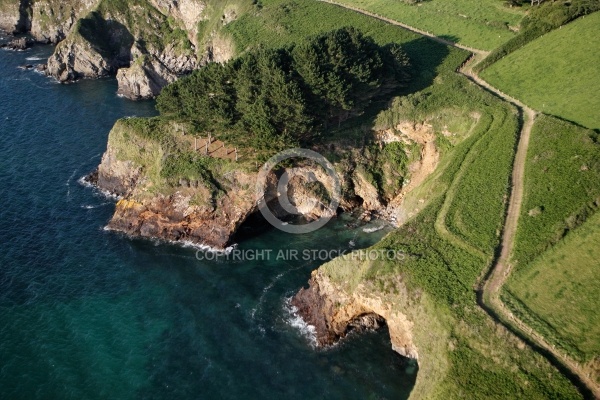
562 173
482 24
464 345
554 286
561 289
557 73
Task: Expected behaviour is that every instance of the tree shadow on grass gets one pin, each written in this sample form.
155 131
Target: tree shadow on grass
450 38
427 58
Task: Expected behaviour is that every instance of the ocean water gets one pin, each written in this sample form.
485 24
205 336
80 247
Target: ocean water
89 314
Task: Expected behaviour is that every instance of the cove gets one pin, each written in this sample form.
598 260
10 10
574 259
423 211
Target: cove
86 313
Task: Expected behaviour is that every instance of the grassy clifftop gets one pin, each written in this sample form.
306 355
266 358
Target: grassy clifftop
447 246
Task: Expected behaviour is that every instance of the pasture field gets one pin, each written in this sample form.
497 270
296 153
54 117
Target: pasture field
482 24
279 23
554 286
561 186
558 293
556 73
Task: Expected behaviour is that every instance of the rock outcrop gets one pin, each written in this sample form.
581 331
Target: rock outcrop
48 21
341 299
149 73
52 20
147 44
128 43
334 313
16 44
176 218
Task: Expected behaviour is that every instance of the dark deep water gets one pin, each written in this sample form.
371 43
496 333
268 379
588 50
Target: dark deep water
88 314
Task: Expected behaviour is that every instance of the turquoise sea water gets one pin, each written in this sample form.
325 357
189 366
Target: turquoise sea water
88 314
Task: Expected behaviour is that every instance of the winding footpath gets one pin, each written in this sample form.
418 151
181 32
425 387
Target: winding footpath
491 286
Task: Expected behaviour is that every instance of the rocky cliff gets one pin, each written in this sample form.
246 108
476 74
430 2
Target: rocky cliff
48 21
187 208
146 43
338 301
172 192
334 313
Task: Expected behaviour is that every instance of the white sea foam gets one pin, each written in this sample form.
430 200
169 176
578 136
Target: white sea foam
295 321
93 206
34 58
373 229
84 182
203 247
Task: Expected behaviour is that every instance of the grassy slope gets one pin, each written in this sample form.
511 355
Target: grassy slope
561 288
561 185
482 24
556 73
561 191
476 357
281 22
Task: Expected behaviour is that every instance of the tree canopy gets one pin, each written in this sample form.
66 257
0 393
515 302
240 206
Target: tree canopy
271 99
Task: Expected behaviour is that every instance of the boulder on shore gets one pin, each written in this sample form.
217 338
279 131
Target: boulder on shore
17 44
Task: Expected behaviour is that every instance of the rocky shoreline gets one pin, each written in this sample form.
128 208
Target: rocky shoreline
145 51
335 312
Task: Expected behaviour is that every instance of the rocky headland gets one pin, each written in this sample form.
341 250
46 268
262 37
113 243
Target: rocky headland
208 209
145 44
339 300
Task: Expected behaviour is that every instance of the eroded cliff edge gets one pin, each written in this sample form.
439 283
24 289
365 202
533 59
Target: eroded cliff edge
336 303
168 189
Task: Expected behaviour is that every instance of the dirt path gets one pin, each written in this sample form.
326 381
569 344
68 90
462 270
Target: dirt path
500 270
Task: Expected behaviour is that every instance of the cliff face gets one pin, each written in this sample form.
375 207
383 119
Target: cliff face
334 312
52 20
12 17
191 210
48 21
172 192
146 43
338 301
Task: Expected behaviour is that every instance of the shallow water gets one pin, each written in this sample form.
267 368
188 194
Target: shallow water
86 313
